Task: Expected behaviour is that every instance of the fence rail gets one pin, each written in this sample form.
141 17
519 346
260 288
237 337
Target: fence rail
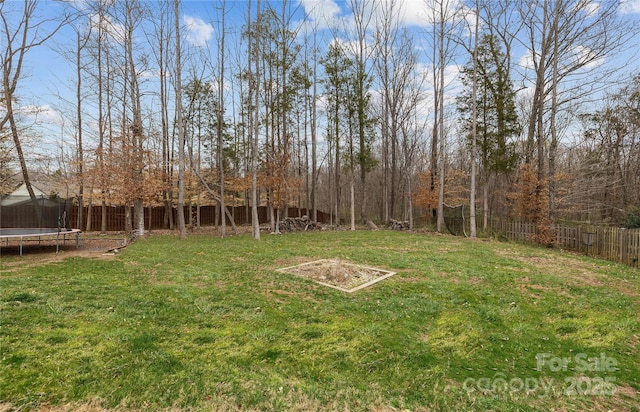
155 219
611 243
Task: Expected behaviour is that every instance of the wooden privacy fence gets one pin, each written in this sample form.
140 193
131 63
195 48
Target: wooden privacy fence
612 243
154 217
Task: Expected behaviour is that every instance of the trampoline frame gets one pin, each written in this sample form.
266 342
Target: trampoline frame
22 233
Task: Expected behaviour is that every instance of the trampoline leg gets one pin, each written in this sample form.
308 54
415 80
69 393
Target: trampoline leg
20 246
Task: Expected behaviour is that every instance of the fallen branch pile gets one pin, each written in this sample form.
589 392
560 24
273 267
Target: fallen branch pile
298 224
399 225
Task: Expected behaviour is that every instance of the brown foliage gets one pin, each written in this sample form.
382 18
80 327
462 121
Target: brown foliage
529 198
425 196
529 201
456 189
127 173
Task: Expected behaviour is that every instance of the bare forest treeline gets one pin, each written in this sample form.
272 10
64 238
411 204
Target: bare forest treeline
365 118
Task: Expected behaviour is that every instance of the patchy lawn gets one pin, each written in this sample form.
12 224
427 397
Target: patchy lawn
211 324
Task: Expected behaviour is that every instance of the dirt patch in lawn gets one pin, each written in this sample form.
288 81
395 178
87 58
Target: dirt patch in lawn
584 272
338 274
575 271
529 288
43 251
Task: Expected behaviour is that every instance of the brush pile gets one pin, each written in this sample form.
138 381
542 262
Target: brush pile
298 224
399 225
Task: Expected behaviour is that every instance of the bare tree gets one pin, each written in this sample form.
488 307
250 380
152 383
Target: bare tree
605 161
314 130
130 159
386 35
401 92
163 36
337 69
474 138
254 129
179 123
76 56
101 74
28 34
445 21
553 147
82 41
565 38
363 12
220 112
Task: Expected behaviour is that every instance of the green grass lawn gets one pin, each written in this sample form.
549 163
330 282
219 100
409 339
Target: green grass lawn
208 324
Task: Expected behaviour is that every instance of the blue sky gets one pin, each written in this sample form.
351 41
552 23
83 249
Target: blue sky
49 76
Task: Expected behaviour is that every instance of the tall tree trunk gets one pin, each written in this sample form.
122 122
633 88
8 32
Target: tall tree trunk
362 138
435 152
88 226
337 167
138 213
254 48
80 149
103 216
101 124
220 118
474 137
440 123
164 40
352 193
314 155
128 226
409 199
554 110
136 129
485 202
394 168
180 123
536 119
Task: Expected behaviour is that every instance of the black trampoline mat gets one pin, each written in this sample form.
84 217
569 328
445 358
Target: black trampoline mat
7 232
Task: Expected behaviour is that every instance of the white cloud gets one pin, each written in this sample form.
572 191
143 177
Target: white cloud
590 8
526 61
423 12
630 6
593 8
586 57
525 94
42 115
414 12
324 13
580 55
114 30
331 13
199 32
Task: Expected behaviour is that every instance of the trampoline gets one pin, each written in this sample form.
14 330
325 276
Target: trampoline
20 234
41 216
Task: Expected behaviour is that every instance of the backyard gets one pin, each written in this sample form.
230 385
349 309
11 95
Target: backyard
214 324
